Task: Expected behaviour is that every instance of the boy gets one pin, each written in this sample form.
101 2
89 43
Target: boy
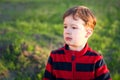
76 60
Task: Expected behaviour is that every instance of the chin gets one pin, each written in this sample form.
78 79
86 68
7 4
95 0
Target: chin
70 44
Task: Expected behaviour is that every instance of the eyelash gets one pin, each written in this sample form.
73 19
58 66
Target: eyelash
65 27
72 27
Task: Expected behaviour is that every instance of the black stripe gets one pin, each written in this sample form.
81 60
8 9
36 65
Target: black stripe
88 53
99 63
84 67
58 52
49 75
62 66
50 60
104 77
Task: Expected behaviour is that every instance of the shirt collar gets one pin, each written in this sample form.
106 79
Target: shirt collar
78 53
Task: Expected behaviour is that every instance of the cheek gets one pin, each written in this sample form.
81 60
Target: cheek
76 36
76 33
79 35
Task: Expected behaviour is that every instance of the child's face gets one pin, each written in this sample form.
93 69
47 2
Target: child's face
74 32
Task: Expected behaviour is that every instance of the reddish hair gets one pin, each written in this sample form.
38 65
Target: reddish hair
83 13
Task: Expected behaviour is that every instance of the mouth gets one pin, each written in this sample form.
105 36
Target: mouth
68 39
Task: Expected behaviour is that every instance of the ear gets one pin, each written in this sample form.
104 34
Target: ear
89 32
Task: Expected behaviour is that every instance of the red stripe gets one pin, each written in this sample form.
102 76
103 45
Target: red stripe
45 79
102 70
83 59
84 75
61 58
63 74
87 59
49 67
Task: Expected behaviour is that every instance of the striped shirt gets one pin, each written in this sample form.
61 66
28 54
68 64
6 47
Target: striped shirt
65 64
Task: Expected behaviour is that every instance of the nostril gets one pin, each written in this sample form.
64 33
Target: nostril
68 32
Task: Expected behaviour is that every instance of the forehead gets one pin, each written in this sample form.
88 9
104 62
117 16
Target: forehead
71 20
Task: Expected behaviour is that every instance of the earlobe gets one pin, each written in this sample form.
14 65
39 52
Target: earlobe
89 32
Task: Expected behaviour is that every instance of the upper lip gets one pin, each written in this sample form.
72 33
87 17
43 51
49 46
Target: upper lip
68 37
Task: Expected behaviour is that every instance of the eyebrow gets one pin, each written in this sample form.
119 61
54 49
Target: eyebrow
64 24
71 24
74 25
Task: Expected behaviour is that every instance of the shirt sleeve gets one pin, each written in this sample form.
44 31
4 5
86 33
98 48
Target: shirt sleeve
48 74
101 70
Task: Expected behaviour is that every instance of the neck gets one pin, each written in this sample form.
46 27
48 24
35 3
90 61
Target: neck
76 48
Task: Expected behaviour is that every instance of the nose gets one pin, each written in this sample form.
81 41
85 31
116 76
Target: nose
67 31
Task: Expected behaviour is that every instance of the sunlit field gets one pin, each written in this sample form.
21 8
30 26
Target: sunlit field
30 29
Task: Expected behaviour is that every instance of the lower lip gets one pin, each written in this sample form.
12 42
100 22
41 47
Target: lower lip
68 39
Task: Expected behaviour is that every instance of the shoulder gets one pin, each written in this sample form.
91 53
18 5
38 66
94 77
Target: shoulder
94 54
91 52
58 51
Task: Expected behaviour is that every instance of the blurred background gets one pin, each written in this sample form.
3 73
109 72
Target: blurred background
30 29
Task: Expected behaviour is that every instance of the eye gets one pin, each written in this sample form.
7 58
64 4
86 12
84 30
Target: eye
74 28
65 27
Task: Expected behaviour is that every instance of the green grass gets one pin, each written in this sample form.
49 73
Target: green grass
34 28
